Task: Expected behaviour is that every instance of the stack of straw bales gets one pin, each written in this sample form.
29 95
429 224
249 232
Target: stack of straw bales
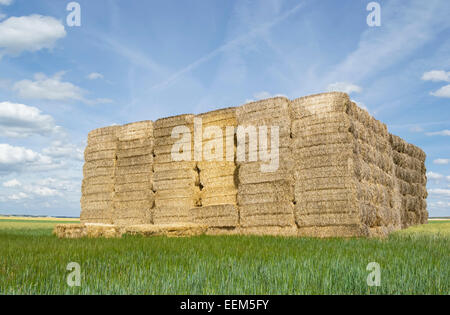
99 176
410 181
217 171
266 199
176 182
340 173
134 196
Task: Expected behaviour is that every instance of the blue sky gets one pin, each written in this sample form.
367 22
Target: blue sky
138 60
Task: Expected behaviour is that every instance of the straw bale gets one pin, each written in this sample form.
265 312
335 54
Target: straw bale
218 115
96 189
216 216
130 187
321 139
70 230
102 139
213 165
140 143
285 231
277 104
167 158
173 121
169 230
142 160
219 181
179 202
134 195
127 206
89 172
333 231
167 215
174 184
255 178
135 152
315 105
99 163
327 219
102 146
175 174
103 131
266 197
178 193
220 191
134 178
133 170
267 220
162 167
99 180
218 200
331 182
100 155
136 130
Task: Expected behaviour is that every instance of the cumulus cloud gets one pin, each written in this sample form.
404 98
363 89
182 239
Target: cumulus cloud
19 120
434 176
5 2
12 183
14 158
95 76
441 161
53 89
345 87
48 88
42 191
436 76
19 196
442 92
60 149
29 33
445 132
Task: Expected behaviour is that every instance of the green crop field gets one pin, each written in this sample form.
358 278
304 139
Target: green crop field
33 261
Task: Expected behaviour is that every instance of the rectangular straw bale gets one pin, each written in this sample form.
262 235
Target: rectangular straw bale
100 155
175 174
162 167
99 180
134 195
173 121
104 196
143 178
99 163
180 202
89 172
102 146
136 130
95 189
226 215
135 152
130 187
328 219
168 215
146 161
185 183
267 220
218 200
177 193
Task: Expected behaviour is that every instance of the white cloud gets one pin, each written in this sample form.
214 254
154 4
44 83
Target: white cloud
441 161
442 92
42 191
19 120
2 15
445 132
53 89
45 88
5 2
434 176
59 149
19 196
440 191
416 129
436 76
95 76
12 183
13 158
29 33
345 87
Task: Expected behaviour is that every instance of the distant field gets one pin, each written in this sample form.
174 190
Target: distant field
33 261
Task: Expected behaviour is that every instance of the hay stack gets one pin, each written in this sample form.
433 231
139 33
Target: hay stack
217 171
410 181
176 182
99 176
265 199
324 185
134 196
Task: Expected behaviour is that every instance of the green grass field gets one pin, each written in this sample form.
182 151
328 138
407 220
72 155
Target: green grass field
33 261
